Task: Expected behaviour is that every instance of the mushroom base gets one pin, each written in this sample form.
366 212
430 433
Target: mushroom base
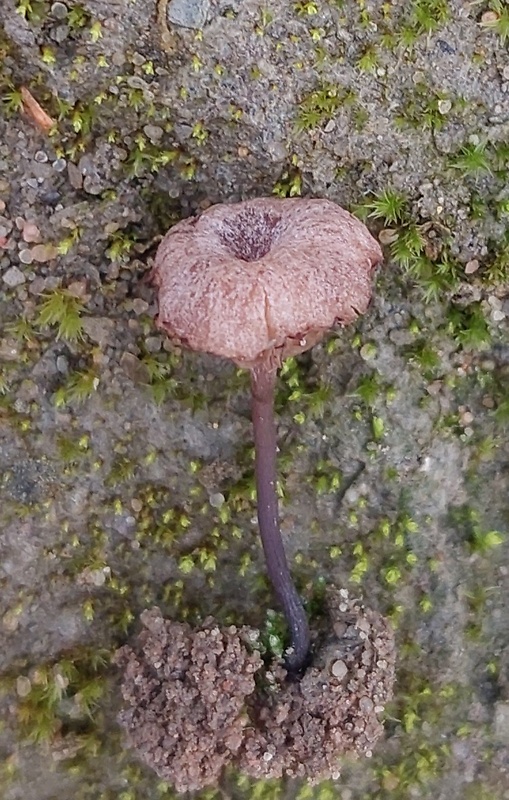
193 706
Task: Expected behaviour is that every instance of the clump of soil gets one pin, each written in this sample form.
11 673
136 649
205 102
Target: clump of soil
194 706
186 690
301 728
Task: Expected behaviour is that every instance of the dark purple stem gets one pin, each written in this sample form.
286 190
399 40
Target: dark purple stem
263 381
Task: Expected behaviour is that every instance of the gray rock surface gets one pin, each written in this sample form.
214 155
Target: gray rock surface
189 13
393 433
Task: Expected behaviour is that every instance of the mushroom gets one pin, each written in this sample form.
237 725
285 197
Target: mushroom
256 282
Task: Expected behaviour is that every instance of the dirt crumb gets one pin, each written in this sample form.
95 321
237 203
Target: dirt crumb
302 728
194 706
186 690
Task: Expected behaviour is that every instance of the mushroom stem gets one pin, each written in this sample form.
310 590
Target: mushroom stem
263 381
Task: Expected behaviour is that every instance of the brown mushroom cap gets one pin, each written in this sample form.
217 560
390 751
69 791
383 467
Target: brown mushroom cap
263 279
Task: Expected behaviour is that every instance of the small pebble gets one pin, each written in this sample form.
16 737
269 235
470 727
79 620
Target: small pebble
98 576
366 705
99 329
118 58
23 686
62 364
10 621
188 13
9 350
61 33
25 256
135 369
153 344
75 176
59 165
13 277
387 236
59 10
44 252
138 59
444 106
139 306
216 500
41 157
471 266
153 132
5 226
31 232
489 18
339 670
368 351
339 629
50 198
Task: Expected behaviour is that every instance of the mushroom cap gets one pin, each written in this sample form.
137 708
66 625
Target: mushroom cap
263 279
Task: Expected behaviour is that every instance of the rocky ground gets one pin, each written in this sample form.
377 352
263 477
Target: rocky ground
126 463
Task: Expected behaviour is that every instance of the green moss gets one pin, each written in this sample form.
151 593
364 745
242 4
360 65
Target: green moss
64 696
472 160
496 272
327 478
78 387
34 11
62 310
468 326
500 21
290 181
468 522
321 105
389 205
